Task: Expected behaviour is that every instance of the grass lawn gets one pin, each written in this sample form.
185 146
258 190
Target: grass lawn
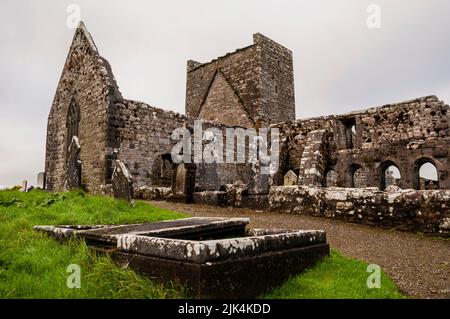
335 277
33 265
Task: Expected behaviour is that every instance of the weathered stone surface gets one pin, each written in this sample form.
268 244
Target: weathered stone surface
360 146
290 179
424 211
87 82
251 86
152 192
214 198
122 182
234 193
216 257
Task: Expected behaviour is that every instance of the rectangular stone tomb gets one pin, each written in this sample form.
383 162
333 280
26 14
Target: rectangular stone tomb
214 257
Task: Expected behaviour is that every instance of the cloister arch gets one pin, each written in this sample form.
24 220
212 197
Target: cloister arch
389 174
425 174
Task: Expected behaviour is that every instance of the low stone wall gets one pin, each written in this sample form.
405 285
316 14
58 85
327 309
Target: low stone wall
424 211
152 193
229 198
214 198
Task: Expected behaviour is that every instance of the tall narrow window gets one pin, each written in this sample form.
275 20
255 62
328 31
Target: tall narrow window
389 175
73 121
350 132
347 132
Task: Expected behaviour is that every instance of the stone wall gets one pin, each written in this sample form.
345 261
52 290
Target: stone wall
366 143
252 86
421 211
152 193
277 81
215 176
143 135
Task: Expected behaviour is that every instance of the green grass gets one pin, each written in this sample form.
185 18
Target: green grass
335 277
33 265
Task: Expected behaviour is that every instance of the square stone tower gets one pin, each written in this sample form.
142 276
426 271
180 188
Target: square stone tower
251 87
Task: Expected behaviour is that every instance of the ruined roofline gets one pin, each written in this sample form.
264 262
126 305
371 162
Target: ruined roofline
81 28
200 65
371 110
257 37
144 105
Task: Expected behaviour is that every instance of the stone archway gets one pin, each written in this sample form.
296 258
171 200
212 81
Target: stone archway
422 183
388 174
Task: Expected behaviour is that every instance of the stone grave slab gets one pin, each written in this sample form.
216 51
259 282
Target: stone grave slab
214 257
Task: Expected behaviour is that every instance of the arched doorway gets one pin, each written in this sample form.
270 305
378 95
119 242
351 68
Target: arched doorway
166 170
72 123
425 174
72 147
389 175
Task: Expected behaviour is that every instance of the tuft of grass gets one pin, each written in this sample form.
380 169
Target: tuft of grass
33 265
335 277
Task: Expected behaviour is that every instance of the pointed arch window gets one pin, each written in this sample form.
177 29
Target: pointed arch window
73 122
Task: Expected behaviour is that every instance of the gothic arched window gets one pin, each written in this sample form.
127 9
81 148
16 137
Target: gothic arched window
73 120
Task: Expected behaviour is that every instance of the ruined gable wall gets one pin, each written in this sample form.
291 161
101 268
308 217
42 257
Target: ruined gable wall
401 133
87 79
262 77
221 96
240 69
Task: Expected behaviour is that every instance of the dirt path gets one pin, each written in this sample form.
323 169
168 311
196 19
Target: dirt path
420 265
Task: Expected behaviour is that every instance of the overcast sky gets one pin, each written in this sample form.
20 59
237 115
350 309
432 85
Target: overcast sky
340 64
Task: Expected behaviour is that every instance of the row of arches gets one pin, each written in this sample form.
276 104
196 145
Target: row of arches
424 176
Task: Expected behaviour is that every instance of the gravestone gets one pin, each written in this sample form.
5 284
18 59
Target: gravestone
122 181
41 180
290 179
213 257
24 187
180 180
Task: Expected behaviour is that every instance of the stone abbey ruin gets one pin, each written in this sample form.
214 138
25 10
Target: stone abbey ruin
335 166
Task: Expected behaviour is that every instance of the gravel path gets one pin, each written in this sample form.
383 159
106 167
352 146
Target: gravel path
420 265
